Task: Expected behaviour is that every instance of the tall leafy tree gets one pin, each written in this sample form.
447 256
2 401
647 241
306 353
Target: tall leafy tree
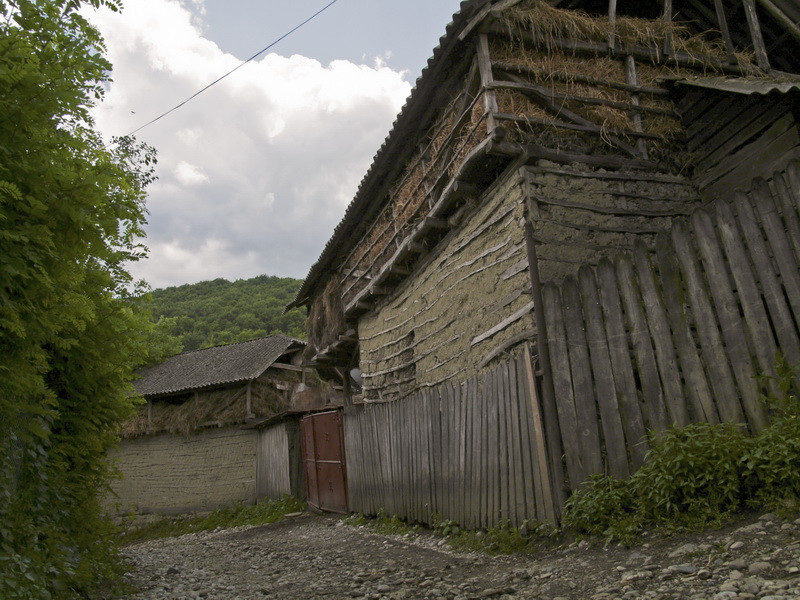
71 211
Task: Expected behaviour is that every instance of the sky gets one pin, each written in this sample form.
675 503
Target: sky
255 173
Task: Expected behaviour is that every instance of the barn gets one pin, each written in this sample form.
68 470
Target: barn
583 226
220 426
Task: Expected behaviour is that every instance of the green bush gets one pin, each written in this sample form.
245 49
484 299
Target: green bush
691 472
694 476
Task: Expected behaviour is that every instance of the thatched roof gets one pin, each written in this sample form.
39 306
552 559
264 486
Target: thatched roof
216 366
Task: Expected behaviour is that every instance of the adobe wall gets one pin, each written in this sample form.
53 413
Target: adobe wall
581 214
173 474
438 324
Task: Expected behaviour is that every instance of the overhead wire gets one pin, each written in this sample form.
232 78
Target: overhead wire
243 63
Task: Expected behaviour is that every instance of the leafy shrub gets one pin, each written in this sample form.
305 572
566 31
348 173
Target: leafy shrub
691 473
599 507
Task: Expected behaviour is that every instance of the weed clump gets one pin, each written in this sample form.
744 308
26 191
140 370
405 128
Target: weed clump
696 476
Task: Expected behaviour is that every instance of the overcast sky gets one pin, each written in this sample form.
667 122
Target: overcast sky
255 173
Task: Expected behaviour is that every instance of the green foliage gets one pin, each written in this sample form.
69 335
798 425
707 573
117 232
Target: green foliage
267 511
382 523
691 473
216 312
695 476
502 539
70 214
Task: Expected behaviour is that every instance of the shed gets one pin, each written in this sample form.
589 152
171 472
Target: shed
216 428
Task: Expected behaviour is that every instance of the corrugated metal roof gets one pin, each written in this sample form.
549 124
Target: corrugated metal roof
744 85
364 201
213 366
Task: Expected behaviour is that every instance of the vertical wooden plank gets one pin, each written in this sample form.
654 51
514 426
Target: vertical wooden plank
787 210
429 476
737 342
632 79
793 176
485 69
534 502
436 445
447 451
697 388
720 376
484 450
548 502
461 430
515 423
549 411
583 386
504 480
781 247
666 360
493 454
624 383
779 310
654 406
755 314
610 413
471 495
755 35
391 435
562 382
405 449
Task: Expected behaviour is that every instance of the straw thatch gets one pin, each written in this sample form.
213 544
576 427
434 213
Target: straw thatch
217 407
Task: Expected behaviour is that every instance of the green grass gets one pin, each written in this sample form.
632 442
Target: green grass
268 511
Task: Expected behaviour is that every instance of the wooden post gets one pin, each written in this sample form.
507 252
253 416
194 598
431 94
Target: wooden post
755 34
249 411
485 69
612 24
346 388
550 509
548 390
630 75
149 415
668 36
722 21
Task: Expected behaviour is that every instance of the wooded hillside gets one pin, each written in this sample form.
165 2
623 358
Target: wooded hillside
216 312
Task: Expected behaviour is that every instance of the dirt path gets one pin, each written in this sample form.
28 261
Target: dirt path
315 556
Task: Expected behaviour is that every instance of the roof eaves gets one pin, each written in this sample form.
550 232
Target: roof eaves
355 212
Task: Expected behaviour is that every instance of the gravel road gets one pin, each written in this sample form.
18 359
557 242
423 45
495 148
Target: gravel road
318 556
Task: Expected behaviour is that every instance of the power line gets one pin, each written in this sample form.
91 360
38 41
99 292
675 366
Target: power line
218 79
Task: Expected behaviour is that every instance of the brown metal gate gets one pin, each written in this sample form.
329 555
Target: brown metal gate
323 461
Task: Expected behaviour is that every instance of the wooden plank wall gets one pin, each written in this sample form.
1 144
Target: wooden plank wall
677 335
734 138
472 452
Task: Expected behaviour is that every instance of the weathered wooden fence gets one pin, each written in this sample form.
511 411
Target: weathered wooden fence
678 335
472 452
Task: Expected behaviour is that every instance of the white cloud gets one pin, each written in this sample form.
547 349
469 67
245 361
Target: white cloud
254 173
189 174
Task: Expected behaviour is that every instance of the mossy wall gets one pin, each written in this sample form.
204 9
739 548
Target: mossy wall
429 330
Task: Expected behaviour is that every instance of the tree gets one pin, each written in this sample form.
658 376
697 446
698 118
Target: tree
71 211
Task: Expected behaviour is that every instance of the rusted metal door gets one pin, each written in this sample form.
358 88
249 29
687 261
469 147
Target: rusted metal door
323 461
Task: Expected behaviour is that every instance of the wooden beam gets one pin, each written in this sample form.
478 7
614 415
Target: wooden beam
612 24
485 68
667 16
722 21
630 76
285 366
755 35
782 18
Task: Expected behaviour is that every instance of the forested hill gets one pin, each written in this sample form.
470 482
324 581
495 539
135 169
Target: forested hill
215 312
